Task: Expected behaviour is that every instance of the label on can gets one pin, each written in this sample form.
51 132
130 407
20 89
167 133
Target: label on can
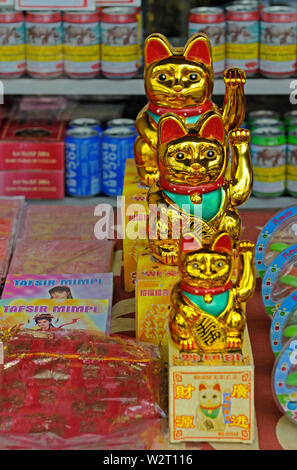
278 32
82 162
44 48
82 48
117 146
268 154
216 35
242 45
119 49
12 49
291 182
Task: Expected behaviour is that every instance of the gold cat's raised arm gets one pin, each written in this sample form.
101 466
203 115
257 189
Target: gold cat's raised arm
233 110
241 166
247 277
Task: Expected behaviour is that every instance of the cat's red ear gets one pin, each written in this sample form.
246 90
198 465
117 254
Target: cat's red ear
156 48
198 49
213 128
217 387
223 244
170 127
190 243
202 387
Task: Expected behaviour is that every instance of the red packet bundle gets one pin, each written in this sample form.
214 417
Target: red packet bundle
56 222
62 257
66 389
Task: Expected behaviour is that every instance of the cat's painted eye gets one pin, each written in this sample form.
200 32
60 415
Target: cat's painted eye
180 156
193 77
195 265
210 154
162 77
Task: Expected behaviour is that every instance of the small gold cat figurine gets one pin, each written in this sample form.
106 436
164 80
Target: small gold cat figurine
180 80
207 305
193 190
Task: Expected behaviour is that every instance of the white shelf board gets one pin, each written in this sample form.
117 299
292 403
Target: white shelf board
101 86
254 203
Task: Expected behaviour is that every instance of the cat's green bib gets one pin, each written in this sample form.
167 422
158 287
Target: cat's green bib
210 206
215 307
211 413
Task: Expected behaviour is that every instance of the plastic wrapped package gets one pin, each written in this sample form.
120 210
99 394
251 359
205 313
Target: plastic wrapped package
78 389
57 222
62 257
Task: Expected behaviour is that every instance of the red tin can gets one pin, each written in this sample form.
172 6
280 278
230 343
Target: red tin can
278 41
44 36
242 37
81 44
211 21
120 47
12 44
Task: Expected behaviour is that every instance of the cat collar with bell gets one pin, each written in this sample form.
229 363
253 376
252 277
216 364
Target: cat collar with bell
205 291
189 190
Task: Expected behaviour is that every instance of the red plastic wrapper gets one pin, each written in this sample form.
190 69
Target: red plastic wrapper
62 257
79 390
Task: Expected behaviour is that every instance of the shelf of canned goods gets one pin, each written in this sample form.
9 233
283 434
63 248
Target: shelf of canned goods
101 86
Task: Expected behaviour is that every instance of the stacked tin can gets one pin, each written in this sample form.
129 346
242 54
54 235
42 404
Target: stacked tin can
290 120
12 43
242 36
44 44
81 44
278 41
269 153
95 158
210 21
120 48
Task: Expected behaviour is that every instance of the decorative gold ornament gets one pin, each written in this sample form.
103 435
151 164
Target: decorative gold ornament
195 192
207 306
180 80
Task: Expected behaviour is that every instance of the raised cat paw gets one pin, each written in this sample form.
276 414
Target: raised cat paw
238 136
245 246
234 77
151 178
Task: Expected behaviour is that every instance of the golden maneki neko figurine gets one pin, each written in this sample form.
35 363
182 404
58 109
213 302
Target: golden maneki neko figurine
195 191
207 312
180 81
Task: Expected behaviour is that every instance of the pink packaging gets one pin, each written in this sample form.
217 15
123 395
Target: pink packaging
61 287
55 222
32 184
62 257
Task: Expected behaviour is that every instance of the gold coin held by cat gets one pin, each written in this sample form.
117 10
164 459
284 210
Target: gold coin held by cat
196 198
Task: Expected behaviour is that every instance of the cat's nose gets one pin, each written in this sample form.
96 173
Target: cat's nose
177 88
195 166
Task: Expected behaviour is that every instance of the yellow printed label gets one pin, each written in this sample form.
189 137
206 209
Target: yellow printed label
119 53
269 174
12 53
44 53
82 53
292 172
218 53
242 51
278 53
